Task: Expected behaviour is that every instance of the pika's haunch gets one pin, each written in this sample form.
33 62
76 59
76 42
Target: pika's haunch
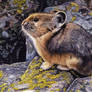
58 42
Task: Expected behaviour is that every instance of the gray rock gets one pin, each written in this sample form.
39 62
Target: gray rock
80 19
12 72
5 34
81 84
30 51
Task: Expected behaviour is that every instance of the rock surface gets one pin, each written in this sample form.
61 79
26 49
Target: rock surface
20 78
37 79
25 77
77 12
81 85
12 40
11 73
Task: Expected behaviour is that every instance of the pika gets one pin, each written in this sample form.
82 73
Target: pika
66 44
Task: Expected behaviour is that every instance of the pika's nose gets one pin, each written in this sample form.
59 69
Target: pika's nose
25 24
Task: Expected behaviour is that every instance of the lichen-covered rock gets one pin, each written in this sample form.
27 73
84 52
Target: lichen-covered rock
37 79
81 85
77 13
11 73
59 2
15 77
34 79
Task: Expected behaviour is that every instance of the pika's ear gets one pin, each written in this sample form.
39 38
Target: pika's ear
59 19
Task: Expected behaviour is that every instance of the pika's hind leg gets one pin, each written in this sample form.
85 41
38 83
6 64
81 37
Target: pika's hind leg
60 67
73 62
46 65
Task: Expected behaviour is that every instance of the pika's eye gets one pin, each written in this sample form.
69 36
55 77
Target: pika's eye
36 19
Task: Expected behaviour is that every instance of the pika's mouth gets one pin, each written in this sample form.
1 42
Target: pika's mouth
28 27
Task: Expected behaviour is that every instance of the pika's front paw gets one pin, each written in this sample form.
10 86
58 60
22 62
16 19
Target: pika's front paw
45 65
62 67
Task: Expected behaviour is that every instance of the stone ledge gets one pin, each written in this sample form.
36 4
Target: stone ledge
39 80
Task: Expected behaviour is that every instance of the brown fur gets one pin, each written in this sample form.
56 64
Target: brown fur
43 32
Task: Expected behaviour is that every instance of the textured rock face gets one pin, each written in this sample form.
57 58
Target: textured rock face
89 3
81 85
9 74
12 40
77 13
19 77
35 79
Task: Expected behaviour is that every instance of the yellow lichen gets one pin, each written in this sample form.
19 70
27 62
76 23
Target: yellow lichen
73 5
77 90
3 89
68 7
58 89
52 91
90 13
73 18
19 11
38 77
1 74
71 91
20 4
65 77
4 84
64 90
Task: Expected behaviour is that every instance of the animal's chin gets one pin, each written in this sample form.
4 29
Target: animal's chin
26 32
28 29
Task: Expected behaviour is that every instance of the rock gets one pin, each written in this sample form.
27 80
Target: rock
19 77
5 34
30 50
12 40
35 79
89 3
76 13
10 73
32 79
81 84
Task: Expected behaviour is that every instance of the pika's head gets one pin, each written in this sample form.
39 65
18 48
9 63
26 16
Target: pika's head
38 24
